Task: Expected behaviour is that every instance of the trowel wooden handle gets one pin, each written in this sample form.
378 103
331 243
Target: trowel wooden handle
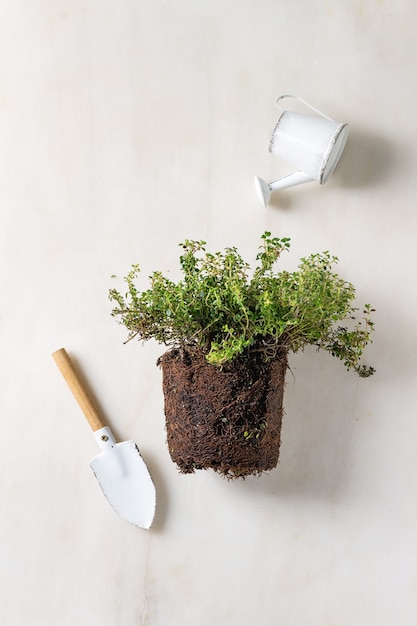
69 372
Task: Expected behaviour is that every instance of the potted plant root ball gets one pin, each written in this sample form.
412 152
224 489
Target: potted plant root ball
229 330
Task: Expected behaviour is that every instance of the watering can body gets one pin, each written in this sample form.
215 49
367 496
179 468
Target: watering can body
313 144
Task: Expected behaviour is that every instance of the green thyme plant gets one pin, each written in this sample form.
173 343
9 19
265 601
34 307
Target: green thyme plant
225 308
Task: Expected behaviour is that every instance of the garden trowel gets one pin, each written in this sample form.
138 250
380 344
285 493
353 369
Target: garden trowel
120 469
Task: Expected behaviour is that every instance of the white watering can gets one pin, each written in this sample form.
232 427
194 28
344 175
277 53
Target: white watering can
312 144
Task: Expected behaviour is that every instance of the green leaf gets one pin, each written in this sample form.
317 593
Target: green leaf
224 307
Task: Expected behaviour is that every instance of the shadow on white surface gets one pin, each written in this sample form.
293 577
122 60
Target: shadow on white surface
320 405
162 494
368 160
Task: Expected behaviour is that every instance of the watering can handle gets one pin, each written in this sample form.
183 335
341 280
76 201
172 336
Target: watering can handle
310 106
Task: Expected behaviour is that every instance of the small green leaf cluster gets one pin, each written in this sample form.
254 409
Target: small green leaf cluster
225 308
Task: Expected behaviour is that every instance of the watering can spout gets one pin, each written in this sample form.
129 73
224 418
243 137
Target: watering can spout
264 189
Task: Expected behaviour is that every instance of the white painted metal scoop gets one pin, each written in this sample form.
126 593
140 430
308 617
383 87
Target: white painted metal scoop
120 470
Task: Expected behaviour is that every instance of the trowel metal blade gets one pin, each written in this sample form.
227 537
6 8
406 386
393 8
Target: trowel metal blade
125 481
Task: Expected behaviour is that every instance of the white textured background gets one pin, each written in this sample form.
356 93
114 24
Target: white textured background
126 127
